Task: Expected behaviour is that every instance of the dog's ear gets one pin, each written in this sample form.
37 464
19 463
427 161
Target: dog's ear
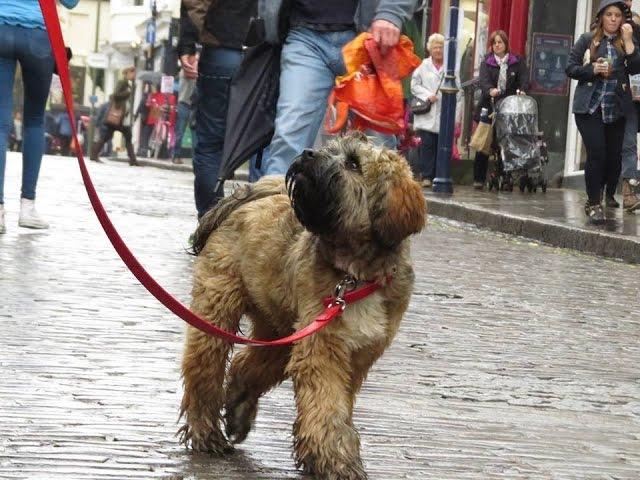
403 212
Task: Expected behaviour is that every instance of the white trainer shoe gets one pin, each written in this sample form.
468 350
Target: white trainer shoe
29 217
2 227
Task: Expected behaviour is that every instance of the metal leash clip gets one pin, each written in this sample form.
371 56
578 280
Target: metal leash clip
346 284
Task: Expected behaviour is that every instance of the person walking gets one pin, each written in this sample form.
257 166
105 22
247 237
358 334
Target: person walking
146 127
117 117
64 133
425 85
222 30
188 54
24 40
601 61
502 74
185 99
312 59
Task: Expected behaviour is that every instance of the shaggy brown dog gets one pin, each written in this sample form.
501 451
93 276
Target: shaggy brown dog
274 257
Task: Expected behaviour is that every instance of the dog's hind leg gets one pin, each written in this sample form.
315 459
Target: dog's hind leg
325 441
253 372
219 299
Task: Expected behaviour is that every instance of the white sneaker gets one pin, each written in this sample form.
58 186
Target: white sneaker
2 227
29 217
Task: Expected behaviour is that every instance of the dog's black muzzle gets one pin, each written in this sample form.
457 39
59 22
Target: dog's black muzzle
313 187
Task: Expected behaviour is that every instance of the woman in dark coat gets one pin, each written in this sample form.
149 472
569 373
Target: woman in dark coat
601 61
501 74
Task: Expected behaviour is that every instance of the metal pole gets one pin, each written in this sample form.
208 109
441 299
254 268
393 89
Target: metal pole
92 110
426 7
152 41
443 182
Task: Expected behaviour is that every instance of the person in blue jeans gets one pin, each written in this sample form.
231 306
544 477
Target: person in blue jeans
312 59
221 30
24 40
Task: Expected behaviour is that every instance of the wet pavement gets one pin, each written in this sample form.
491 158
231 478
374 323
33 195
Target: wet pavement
514 361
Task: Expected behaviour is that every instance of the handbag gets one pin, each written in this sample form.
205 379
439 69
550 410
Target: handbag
114 116
421 107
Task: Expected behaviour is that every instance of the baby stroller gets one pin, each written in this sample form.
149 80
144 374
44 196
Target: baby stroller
521 152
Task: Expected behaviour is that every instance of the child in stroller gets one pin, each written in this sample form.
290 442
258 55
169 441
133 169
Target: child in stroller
520 150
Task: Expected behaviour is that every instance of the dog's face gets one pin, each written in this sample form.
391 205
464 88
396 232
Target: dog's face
353 190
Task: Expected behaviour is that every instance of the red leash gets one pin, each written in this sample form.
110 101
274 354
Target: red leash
334 306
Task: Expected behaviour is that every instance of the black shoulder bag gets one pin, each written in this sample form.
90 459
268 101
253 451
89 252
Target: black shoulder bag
420 107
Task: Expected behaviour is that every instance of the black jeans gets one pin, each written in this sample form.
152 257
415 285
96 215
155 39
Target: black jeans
480 167
106 134
428 152
216 68
603 142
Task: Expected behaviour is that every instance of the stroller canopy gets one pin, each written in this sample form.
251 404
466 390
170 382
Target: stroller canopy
516 132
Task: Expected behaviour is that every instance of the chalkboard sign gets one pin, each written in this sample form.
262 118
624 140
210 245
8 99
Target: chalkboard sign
549 57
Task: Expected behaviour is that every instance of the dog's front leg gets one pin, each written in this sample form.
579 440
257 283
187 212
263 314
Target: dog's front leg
326 443
203 365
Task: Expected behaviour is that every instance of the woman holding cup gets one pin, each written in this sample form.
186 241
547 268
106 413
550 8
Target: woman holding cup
601 61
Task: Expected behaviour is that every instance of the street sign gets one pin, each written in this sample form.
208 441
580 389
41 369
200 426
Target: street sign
151 32
166 84
97 60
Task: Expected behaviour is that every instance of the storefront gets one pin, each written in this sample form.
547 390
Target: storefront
543 31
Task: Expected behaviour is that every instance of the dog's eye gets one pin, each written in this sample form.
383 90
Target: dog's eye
352 163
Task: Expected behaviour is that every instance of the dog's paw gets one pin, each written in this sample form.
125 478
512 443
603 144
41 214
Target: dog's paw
240 413
209 440
338 471
333 469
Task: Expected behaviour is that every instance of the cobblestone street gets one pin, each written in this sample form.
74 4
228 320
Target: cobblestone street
514 361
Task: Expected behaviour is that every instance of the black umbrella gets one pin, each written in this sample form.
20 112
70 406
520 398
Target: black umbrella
252 108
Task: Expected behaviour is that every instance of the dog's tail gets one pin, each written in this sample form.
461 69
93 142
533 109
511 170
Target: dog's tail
241 195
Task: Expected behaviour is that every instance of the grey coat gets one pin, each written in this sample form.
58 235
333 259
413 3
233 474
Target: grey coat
581 70
274 13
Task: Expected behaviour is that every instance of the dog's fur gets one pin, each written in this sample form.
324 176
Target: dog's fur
273 251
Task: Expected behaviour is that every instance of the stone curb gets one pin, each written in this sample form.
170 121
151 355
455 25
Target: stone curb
551 233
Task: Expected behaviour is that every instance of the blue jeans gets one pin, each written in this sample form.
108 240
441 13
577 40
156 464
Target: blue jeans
630 147
310 63
256 173
428 152
30 47
216 68
184 117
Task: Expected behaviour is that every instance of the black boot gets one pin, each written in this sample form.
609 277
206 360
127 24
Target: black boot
132 155
96 148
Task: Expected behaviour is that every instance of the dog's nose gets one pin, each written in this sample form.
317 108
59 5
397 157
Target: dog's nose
308 153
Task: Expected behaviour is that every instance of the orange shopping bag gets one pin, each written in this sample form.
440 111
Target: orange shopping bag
372 88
